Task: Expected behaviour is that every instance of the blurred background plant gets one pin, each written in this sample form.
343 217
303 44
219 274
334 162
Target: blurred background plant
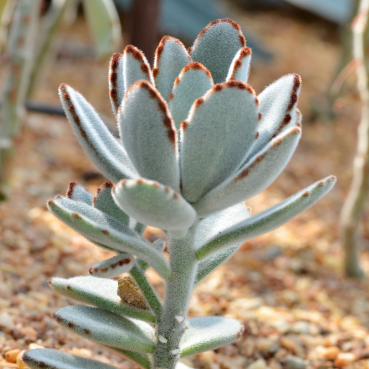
27 43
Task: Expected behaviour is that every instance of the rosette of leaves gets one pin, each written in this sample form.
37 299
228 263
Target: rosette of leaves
195 143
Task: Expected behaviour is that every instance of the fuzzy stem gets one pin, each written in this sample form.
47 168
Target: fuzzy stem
354 206
146 288
178 292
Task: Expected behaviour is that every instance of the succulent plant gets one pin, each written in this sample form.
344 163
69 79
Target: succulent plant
195 142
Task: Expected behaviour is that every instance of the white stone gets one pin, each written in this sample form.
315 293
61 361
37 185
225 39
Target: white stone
162 339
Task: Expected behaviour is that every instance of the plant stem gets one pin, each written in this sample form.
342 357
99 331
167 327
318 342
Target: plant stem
170 326
354 205
150 295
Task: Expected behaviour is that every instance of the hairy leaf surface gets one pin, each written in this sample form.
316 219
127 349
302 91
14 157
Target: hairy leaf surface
256 175
278 104
216 46
98 292
240 67
112 267
170 58
193 82
154 204
135 67
100 145
78 192
209 333
269 219
103 229
107 328
149 135
217 136
104 202
54 359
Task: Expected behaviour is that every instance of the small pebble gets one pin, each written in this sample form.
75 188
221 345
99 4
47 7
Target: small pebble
330 353
344 359
288 344
11 356
29 334
6 321
294 362
258 364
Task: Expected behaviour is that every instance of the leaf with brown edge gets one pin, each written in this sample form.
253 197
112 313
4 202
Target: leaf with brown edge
254 176
107 328
240 67
78 192
99 144
278 104
218 134
98 292
135 67
104 202
193 82
112 267
54 359
116 81
216 46
148 134
154 204
107 232
268 219
170 58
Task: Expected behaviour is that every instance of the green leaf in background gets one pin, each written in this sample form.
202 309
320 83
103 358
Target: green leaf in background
103 21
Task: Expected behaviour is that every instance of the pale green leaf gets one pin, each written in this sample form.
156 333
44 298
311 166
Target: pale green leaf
54 359
103 21
98 292
107 328
209 333
254 176
104 202
170 58
219 132
193 82
240 67
148 134
135 67
216 46
100 145
154 204
268 219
